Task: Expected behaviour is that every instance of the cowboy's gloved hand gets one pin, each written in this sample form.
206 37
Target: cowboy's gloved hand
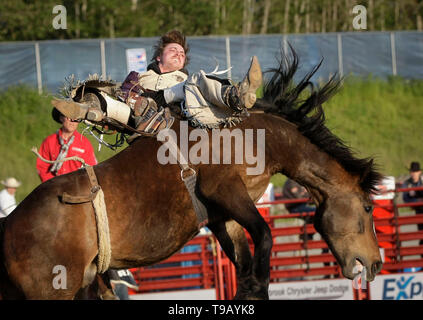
157 96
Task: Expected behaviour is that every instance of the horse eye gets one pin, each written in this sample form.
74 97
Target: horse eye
368 209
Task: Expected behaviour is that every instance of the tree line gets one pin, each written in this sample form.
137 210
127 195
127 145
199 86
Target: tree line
32 19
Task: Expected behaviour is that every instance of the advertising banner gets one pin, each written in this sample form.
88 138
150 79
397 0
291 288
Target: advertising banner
312 290
405 286
202 294
136 60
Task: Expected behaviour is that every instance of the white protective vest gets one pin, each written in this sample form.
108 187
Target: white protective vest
151 80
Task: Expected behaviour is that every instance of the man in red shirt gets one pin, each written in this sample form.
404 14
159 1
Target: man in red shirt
66 142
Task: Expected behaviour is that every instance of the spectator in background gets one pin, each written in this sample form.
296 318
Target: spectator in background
7 196
66 142
415 180
293 190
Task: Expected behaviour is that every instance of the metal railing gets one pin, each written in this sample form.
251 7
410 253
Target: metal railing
293 257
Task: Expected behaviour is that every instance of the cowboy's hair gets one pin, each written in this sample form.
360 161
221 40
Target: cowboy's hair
173 36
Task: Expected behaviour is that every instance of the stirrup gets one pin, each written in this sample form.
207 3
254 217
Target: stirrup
153 122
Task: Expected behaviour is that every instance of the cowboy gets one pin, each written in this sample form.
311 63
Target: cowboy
7 196
166 81
64 143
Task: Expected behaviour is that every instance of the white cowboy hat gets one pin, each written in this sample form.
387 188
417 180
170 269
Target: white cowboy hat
11 183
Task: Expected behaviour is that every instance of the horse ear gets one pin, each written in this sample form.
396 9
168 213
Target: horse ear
369 178
366 171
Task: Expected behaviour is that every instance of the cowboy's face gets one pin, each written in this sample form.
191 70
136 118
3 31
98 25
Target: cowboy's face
11 190
172 58
68 125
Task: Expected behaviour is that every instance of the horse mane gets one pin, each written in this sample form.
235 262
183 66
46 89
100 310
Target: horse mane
283 98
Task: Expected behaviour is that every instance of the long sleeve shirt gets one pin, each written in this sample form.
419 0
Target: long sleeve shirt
50 149
7 203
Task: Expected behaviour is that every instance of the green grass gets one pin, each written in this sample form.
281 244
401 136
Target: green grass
381 119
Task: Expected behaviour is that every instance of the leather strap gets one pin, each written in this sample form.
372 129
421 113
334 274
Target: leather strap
190 181
93 179
95 187
67 198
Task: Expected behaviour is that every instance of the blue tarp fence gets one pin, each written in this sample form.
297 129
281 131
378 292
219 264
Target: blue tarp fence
45 64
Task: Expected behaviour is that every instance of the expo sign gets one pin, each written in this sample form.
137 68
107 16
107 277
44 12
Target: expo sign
398 287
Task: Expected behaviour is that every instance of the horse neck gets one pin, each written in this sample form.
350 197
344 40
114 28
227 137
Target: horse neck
292 154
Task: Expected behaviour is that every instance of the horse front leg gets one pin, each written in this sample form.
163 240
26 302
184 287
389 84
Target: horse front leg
232 200
234 243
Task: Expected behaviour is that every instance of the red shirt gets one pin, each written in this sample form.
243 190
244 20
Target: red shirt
50 149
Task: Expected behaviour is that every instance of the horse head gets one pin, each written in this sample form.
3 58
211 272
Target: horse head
345 221
340 183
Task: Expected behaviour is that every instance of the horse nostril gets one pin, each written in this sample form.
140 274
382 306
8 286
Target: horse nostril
376 267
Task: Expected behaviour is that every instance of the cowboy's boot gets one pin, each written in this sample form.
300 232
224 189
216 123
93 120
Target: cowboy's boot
78 111
94 112
243 95
252 81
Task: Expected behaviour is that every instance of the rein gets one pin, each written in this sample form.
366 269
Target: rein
119 140
125 126
34 149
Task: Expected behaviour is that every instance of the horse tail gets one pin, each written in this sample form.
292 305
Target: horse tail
7 289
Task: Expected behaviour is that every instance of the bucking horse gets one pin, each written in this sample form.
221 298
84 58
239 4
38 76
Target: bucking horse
151 215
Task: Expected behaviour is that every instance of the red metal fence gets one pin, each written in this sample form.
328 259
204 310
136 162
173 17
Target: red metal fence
203 265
